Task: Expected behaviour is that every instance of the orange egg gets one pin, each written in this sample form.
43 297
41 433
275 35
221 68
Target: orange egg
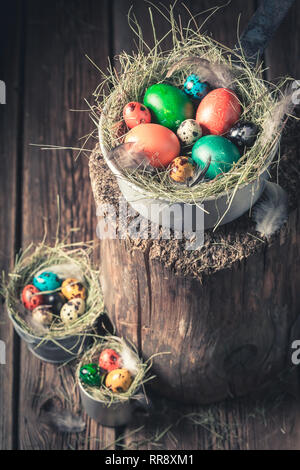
159 143
218 111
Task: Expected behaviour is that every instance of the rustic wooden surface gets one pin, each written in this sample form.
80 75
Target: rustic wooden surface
42 59
220 346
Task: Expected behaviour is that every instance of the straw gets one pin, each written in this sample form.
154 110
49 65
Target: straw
139 70
38 257
102 393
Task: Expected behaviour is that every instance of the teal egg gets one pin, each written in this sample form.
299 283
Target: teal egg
47 281
169 106
221 151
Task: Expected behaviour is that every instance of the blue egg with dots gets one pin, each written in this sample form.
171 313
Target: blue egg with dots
195 88
47 281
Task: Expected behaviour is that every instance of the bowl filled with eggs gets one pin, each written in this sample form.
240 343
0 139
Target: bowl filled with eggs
196 126
54 300
111 378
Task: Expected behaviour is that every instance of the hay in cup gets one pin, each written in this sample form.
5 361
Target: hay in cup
119 345
264 104
69 258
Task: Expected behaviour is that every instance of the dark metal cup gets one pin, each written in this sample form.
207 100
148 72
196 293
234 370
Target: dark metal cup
114 414
56 352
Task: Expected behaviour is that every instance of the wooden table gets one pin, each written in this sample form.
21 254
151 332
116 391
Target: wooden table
43 63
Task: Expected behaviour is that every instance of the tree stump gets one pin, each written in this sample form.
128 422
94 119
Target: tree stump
223 317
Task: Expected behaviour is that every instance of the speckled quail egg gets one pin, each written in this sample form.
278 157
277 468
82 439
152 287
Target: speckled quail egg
182 169
194 87
72 310
189 132
72 288
118 380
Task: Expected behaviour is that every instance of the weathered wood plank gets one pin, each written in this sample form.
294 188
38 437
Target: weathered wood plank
267 422
223 24
39 167
223 27
282 59
10 113
282 55
58 78
243 424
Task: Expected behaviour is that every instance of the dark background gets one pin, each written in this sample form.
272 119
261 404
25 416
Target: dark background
42 61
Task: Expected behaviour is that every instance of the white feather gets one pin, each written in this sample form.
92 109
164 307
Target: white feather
129 156
37 328
271 211
64 271
217 75
129 361
64 421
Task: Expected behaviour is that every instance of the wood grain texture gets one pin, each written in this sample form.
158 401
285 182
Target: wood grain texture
226 336
51 44
282 54
250 433
10 114
262 423
58 77
223 25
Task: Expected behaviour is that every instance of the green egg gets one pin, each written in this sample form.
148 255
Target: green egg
169 106
90 375
221 151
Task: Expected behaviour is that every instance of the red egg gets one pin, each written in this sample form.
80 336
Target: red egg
218 111
159 143
109 360
29 299
136 113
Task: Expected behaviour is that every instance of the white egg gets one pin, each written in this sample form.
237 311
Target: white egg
189 132
72 310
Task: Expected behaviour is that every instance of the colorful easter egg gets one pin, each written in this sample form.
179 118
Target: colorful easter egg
55 300
72 288
68 314
189 132
158 143
168 105
135 113
72 310
79 305
30 299
218 111
194 87
109 360
118 380
219 151
243 134
90 375
47 281
182 169
42 315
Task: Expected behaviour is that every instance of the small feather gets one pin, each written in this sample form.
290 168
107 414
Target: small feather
271 212
273 123
129 156
217 75
65 270
64 421
129 360
37 328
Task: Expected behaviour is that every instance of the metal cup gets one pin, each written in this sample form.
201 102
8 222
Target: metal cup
220 209
62 350
115 414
